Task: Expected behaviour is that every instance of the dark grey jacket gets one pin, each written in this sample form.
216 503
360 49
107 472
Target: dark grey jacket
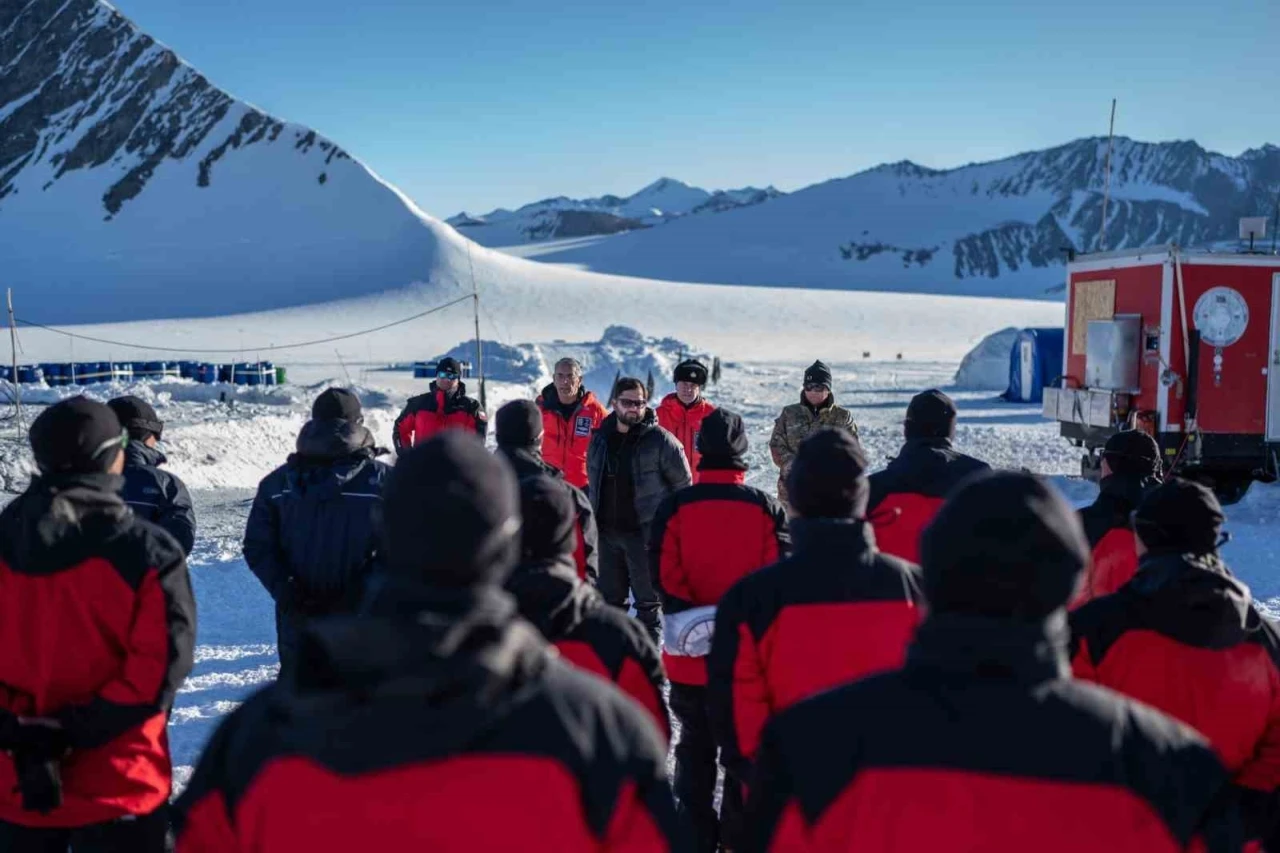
157 495
658 464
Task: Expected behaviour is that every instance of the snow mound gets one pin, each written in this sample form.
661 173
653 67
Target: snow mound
986 366
623 351
521 363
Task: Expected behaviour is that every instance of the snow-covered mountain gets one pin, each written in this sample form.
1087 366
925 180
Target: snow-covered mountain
983 229
131 186
556 218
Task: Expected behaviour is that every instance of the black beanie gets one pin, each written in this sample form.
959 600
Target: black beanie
76 436
550 519
519 424
691 370
1132 452
818 374
337 404
1180 517
828 478
930 414
722 441
451 513
137 416
1004 545
450 365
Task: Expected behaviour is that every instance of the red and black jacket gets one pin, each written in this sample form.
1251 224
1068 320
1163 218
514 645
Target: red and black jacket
704 539
685 422
590 634
835 610
907 494
566 432
97 631
586 554
439 721
1109 528
428 414
1185 637
982 742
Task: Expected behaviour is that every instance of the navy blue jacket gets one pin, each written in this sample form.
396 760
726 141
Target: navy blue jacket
311 533
158 496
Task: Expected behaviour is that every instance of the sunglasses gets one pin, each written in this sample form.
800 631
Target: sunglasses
815 386
446 374
624 403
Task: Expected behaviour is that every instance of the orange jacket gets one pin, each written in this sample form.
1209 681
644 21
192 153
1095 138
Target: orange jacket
685 422
565 439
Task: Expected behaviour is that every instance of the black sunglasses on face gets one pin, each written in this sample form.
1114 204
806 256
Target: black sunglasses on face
813 386
630 404
446 374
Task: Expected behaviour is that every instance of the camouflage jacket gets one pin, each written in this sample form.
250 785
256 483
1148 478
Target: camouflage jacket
794 425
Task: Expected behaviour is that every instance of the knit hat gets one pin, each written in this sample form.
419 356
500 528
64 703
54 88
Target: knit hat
1004 545
449 365
1132 452
337 404
1180 517
828 478
137 416
550 519
451 513
76 436
691 370
722 441
519 424
818 374
930 414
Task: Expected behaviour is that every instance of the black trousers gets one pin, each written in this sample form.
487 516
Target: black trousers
141 834
624 567
696 768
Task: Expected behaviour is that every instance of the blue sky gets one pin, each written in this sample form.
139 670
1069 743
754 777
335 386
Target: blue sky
479 104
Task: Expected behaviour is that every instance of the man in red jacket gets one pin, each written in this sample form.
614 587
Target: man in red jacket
1130 469
909 492
437 719
97 632
705 538
682 413
570 414
982 741
1185 636
570 613
445 406
835 610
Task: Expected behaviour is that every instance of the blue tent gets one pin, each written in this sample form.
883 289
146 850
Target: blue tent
1034 362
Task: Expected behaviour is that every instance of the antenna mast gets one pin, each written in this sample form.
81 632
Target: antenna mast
1106 185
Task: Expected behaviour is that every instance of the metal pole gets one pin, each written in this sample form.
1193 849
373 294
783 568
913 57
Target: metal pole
1106 186
475 306
13 345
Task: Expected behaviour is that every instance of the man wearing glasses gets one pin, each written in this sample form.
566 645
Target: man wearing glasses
633 464
445 406
817 409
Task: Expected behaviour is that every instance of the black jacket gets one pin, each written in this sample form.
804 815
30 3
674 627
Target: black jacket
460 700
158 496
310 538
978 743
658 466
1118 496
529 464
925 466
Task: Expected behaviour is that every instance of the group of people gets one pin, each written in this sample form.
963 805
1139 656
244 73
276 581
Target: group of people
933 656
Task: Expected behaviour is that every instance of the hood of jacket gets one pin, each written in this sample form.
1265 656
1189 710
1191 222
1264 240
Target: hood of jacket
1210 602
331 453
55 509
551 597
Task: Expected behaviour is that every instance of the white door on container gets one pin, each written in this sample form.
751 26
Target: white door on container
1027 362
1273 365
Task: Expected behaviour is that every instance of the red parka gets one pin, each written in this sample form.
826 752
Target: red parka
433 412
684 422
566 432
